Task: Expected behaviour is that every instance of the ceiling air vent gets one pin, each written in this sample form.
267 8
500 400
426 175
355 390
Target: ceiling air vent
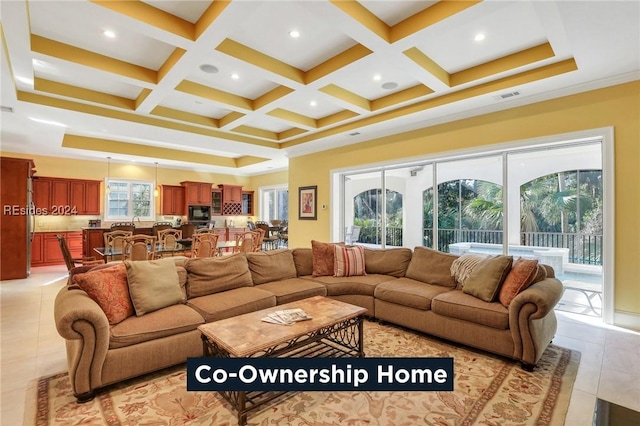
6 109
507 95
354 134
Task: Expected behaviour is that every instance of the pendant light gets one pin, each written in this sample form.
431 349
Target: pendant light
156 191
108 189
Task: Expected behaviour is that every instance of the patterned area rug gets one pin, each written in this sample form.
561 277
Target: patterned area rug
488 391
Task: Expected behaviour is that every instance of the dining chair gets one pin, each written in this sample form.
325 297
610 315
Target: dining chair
114 242
72 262
188 229
245 242
140 247
284 235
269 240
257 246
204 245
123 226
160 226
204 231
168 239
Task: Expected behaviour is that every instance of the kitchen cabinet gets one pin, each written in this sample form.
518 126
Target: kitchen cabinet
92 238
231 199
247 203
45 248
172 202
42 194
64 197
216 202
37 256
15 175
197 193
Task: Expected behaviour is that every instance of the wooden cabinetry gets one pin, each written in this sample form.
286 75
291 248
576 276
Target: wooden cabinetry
172 200
92 238
216 202
247 203
14 176
36 250
197 193
58 196
231 199
45 248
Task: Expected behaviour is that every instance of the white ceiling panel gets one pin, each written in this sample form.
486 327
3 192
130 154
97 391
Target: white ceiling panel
186 9
393 12
272 124
193 104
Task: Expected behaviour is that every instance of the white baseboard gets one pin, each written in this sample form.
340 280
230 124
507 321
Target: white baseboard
627 320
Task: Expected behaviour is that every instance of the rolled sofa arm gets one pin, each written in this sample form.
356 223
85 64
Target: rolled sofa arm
532 320
84 326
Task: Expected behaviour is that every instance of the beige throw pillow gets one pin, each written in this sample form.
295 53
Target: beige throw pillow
431 267
485 280
462 267
153 285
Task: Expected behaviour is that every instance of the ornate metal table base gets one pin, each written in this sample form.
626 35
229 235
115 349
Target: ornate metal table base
340 340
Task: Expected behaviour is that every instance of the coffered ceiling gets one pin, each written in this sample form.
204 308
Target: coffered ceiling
225 86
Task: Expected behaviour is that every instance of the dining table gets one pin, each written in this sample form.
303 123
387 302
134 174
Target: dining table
110 252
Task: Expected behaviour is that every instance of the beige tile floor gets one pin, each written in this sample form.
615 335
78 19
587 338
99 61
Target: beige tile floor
31 348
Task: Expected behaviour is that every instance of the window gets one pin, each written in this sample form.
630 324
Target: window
126 199
274 203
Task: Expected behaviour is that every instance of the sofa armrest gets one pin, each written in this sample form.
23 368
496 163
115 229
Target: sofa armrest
532 320
84 326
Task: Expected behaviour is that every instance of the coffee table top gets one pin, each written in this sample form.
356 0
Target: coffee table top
247 334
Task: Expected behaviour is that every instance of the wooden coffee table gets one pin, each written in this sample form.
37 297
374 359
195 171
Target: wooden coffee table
335 331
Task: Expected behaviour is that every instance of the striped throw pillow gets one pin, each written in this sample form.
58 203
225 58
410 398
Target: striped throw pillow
348 261
462 267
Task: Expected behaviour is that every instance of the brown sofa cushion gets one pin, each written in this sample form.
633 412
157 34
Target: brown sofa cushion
303 259
214 307
210 275
153 285
431 267
270 266
486 279
154 325
393 262
457 304
360 285
521 276
409 292
293 289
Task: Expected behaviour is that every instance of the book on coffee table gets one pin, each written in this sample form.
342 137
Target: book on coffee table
287 316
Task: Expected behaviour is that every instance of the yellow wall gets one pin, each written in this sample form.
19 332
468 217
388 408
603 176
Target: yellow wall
617 106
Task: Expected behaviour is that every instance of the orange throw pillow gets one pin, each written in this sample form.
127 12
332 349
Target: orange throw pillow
521 276
109 289
323 258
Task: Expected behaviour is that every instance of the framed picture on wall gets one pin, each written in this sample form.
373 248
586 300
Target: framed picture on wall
308 199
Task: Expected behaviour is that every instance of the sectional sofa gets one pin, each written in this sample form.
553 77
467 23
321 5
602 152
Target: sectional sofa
150 322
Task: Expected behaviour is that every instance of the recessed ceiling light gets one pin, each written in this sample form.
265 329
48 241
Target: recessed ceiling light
235 76
377 77
479 37
389 85
294 33
313 103
109 34
208 68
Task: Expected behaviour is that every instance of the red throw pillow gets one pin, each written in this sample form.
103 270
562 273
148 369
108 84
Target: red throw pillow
323 258
521 276
348 261
109 288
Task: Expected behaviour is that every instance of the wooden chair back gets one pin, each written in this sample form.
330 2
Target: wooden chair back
124 226
257 246
205 244
245 242
188 229
160 226
114 241
69 260
169 237
140 247
203 231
